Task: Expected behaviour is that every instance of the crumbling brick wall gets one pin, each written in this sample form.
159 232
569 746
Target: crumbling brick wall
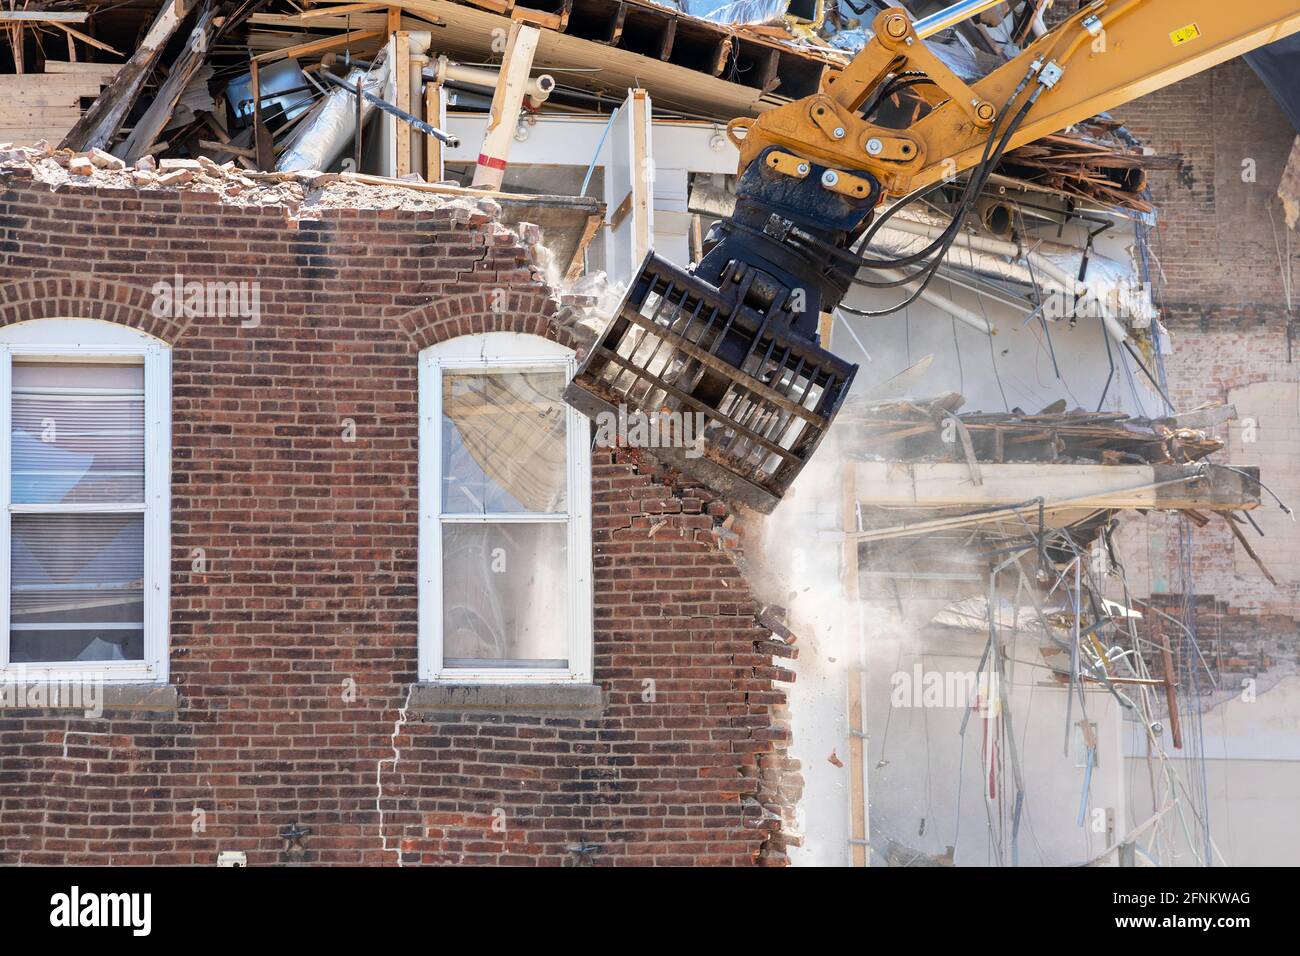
1215 239
1220 250
293 643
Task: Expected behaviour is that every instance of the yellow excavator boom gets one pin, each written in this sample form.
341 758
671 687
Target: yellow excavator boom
735 338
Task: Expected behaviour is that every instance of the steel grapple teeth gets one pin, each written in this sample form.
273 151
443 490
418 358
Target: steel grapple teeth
734 396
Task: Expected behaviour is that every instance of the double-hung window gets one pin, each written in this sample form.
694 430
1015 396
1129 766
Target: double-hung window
84 476
505 525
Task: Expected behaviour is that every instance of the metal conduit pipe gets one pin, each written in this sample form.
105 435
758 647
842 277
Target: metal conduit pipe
444 70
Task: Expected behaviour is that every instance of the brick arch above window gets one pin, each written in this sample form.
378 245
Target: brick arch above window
530 311
85 298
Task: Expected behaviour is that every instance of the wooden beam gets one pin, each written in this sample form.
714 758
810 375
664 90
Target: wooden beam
99 123
402 100
435 114
1171 693
61 68
262 142
319 46
16 40
949 485
183 70
469 30
45 16
642 175
337 11
557 20
616 26
507 99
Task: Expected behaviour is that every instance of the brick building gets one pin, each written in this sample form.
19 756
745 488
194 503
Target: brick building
293 725
1225 258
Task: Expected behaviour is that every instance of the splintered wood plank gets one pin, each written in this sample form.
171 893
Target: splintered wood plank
183 69
103 119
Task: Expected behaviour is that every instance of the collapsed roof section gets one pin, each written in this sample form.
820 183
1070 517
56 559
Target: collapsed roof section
186 87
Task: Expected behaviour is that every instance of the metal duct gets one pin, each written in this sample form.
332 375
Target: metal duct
326 134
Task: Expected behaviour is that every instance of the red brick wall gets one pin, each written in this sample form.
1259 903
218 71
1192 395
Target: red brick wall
1221 245
1214 238
310 544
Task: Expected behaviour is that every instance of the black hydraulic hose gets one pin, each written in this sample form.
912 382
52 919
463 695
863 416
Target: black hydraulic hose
971 192
945 239
950 234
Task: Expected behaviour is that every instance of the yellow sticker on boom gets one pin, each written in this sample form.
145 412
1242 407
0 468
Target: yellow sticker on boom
1185 34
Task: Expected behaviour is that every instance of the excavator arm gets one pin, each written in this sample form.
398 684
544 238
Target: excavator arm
1105 55
735 339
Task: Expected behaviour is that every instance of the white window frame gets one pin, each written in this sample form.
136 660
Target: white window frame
69 341
489 352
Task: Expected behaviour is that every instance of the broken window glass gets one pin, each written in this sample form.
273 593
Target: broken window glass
505 582
503 448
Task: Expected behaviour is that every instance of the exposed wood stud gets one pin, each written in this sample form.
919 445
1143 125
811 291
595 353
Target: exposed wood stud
355 38
435 113
402 100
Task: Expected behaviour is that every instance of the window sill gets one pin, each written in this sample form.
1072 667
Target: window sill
581 701
162 699
155 700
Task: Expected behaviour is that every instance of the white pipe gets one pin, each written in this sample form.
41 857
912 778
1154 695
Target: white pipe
538 88
1039 28
998 247
944 304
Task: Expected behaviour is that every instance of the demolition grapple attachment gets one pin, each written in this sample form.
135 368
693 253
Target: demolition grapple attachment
735 338
763 389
